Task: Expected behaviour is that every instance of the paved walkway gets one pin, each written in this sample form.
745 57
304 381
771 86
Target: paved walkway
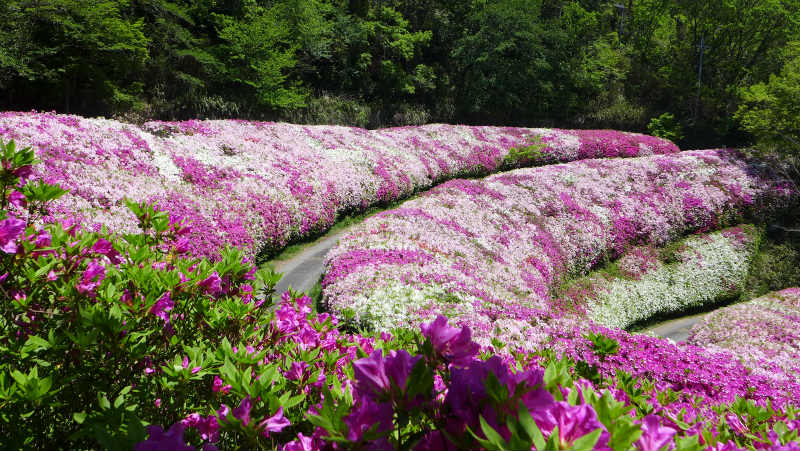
676 329
303 270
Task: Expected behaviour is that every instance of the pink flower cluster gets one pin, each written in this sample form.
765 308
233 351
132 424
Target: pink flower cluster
260 185
495 248
762 333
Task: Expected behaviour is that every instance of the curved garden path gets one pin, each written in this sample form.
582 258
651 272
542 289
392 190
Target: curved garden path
676 329
303 270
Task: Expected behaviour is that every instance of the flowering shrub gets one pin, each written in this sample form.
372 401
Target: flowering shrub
94 326
126 341
762 333
697 271
489 253
256 186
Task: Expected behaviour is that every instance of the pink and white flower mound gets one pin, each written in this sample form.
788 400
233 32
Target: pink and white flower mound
259 185
488 252
762 333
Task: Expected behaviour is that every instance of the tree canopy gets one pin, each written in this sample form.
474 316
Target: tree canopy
567 63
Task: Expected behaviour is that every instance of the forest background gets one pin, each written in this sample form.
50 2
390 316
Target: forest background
701 72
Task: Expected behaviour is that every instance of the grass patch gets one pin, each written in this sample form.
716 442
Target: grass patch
776 265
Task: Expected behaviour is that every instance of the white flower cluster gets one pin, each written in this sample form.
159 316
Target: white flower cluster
709 268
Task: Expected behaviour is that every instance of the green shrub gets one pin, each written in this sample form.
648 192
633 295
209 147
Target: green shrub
95 328
666 126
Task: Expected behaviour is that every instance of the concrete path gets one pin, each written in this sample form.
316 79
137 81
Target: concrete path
676 329
302 271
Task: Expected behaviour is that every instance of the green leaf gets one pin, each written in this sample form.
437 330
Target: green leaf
587 441
102 399
527 422
496 390
552 441
79 417
34 343
491 434
420 381
687 443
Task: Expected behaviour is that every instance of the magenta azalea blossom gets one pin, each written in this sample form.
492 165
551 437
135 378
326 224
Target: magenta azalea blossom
10 229
207 427
366 414
160 440
275 423
242 412
181 245
398 366
296 371
104 247
162 306
304 443
23 172
211 284
654 436
375 375
17 199
370 373
573 423
92 277
456 346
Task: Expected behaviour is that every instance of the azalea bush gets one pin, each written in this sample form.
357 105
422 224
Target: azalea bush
94 325
439 390
126 341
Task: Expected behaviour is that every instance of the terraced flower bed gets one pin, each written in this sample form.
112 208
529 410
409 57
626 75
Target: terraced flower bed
489 253
128 338
257 186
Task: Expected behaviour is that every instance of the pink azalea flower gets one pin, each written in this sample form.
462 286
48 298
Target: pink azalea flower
10 229
207 427
23 172
654 436
455 346
92 278
162 306
304 443
218 386
370 373
181 246
365 415
242 412
211 284
576 421
104 247
296 371
17 199
160 440
275 423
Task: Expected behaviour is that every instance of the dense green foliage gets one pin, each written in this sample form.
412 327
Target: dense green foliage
586 63
771 110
